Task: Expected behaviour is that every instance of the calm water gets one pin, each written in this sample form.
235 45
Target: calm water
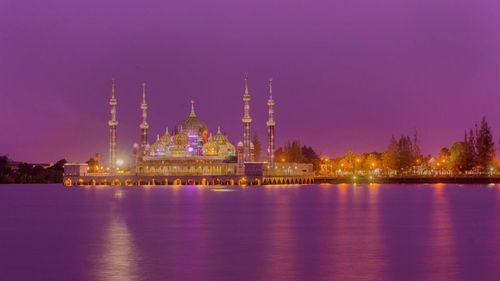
337 232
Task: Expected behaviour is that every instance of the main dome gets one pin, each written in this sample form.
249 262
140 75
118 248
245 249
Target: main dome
193 123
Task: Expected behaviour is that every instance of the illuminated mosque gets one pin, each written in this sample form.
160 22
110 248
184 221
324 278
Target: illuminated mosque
191 141
191 149
191 154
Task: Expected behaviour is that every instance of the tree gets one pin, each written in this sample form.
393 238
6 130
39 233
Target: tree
485 147
372 161
458 157
93 165
280 155
443 157
405 156
350 161
310 156
294 152
389 157
24 173
416 147
257 146
5 170
470 151
55 172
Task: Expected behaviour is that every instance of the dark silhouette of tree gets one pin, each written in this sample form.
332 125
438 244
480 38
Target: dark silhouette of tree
390 155
29 173
257 146
405 155
310 156
293 151
470 151
93 165
485 146
5 170
416 147
458 157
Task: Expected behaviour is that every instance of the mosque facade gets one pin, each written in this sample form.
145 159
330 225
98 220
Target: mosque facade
191 152
191 148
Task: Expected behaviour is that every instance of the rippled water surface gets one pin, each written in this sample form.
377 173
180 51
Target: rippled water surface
334 232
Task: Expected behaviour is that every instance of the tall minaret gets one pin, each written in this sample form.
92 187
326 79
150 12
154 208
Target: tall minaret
113 124
270 126
246 122
144 124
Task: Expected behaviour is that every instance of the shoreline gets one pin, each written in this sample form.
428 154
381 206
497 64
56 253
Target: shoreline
410 180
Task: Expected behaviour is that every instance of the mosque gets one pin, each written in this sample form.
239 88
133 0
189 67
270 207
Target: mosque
192 154
190 150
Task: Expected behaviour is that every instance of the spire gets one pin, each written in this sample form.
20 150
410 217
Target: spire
192 114
246 83
218 130
144 93
113 88
166 131
157 137
270 88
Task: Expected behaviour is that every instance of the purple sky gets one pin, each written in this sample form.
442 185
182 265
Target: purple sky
347 74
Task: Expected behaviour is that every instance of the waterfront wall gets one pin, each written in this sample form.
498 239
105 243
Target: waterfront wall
123 180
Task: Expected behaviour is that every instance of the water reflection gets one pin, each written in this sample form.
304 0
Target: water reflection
357 240
279 260
339 232
441 261
495 262
118 261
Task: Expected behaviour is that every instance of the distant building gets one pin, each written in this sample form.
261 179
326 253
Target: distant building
75 169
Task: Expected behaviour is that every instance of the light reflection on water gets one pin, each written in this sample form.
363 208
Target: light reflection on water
119 259
279 260
441 259
327 232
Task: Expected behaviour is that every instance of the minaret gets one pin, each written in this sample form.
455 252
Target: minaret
192 114
113 124
270 127
144 124
246 122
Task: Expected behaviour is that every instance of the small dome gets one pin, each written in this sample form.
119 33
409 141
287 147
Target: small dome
165 139
240 144
219 138
181 138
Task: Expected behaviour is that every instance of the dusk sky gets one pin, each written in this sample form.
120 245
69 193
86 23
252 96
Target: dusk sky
347 74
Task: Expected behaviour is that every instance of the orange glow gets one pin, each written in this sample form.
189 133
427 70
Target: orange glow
439 185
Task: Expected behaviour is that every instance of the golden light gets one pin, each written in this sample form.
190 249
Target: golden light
119 162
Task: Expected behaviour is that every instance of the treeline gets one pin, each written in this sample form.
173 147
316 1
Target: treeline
473 155
29 173
293 151
476 153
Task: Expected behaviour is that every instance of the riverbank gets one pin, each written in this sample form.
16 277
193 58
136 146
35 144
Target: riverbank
411 180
